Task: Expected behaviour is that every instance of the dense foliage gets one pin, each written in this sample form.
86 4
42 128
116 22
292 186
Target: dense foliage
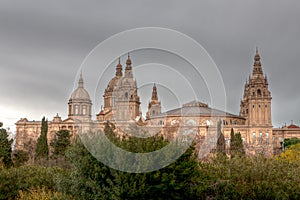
221 145
42 149
5 148
290 141
61 142
236 144
20 157
292 154
238 177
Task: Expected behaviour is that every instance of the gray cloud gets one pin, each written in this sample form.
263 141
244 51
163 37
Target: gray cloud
42 45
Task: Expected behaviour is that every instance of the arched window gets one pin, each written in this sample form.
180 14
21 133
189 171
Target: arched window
126 95
153 112
259 92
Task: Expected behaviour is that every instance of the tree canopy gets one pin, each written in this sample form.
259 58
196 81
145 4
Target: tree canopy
61 142
221 146
236 144
5 147
42 149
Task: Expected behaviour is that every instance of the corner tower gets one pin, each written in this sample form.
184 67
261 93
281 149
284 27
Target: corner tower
154 107
256 102
256 106
80 104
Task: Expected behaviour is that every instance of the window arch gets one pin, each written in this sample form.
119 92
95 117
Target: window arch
259 92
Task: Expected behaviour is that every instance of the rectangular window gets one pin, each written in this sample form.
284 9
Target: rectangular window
84 110
260 137
76 110
253 137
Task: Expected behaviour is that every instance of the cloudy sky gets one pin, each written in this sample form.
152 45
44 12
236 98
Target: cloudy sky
42 46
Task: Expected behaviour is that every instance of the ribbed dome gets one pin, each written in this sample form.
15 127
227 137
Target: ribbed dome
112 84
80 93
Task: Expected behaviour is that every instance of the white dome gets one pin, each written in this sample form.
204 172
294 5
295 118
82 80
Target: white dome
80 93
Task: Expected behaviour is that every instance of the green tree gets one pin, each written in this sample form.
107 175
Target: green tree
221 148
236 144
20 157
42 149
61 142
291 141
94 180
5 147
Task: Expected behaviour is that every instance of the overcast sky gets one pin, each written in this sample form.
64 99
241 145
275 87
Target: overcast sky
42 45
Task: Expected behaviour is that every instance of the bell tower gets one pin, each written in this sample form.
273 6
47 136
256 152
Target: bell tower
256 102
256 105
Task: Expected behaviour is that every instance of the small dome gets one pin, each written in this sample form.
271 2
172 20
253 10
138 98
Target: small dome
128 61
80 93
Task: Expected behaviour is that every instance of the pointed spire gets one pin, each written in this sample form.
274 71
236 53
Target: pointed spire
119 68
257 58
128 69
80 82
154 93
128 61
257 70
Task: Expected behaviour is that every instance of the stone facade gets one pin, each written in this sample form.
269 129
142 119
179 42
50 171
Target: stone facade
122 107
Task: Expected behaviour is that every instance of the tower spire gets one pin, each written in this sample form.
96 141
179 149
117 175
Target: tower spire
80 81
257 58
154 93
257 70
128 61
128 69
119 68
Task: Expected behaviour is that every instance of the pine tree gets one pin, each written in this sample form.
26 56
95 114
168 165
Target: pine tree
236 144
61 142
239 144
221 148
5 147
42 149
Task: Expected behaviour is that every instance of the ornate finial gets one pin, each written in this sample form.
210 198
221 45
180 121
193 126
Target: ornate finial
292 122
128 61
101 107
80 82
119 68
154 93
257 58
